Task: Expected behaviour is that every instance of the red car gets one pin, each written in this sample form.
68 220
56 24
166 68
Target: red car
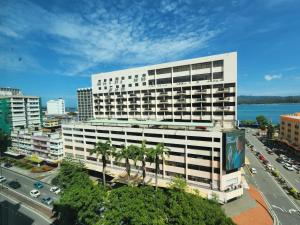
261 157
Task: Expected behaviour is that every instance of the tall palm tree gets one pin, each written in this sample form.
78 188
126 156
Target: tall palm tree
127 153
142 155
159 151
104 149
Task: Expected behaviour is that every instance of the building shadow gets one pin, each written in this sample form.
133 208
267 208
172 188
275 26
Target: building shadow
10 214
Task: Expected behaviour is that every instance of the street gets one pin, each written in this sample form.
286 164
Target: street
27 185
291 176
284 208
14 213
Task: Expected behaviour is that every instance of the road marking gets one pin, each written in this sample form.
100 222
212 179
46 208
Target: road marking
277 207
292 210
28 208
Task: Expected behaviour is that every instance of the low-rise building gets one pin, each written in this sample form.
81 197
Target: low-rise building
47 146
290 130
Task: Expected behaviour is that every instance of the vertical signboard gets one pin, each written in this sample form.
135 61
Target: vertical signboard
234 149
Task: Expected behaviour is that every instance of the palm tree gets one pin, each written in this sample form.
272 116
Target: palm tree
127 153
104 149
142 155
159 151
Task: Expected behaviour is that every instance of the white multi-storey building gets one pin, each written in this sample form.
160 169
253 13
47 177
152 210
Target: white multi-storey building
48 146
202 89
188 105
19 111
85 103
56 107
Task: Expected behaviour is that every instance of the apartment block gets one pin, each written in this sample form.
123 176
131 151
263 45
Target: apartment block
188 105
19 111
85 104
47 146
56 107
290 130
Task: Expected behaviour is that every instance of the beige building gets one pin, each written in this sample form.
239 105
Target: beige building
290 130
188 105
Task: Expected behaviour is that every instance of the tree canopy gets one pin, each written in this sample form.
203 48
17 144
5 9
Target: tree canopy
83 202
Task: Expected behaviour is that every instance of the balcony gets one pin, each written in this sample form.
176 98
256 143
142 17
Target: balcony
163 93
200 100
201 91
223 90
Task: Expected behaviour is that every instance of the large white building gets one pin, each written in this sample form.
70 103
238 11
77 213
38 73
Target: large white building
188 105
85 103
56 107
47 146
19 111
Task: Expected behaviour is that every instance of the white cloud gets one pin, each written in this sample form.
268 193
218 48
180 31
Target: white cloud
102 35
270 77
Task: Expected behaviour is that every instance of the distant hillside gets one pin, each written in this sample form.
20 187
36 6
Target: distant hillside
243 99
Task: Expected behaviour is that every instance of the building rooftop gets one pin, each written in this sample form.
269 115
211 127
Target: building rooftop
19 96
150 122
294 117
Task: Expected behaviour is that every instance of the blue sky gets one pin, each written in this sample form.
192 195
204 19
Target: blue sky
50 48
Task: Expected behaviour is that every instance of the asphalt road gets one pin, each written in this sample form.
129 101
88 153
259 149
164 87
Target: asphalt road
284 208
14 213
291 176
27 185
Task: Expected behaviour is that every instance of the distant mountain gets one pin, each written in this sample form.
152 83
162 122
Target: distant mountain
243 99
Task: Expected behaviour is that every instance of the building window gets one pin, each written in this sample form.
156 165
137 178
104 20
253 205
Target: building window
129 85
129 77
136 84
144 83
218 63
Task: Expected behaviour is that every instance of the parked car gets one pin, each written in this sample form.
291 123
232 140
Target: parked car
7 165
47 200
296 167
261 157
35 193
2 179
14 184
288 166
55 190
38 185
253 170
270 152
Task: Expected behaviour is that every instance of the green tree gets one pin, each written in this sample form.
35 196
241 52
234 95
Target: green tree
159 151
135 206
105 150
185 209
127 153
262 121
81 199
5 142
178 183
270 131
70 173
142 156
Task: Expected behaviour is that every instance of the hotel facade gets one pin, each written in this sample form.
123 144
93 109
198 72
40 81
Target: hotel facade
188 105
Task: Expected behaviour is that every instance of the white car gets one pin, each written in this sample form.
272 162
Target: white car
2 179
289 167
55 190
253 170
35 193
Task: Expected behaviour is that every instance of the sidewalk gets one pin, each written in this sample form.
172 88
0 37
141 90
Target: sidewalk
251 209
